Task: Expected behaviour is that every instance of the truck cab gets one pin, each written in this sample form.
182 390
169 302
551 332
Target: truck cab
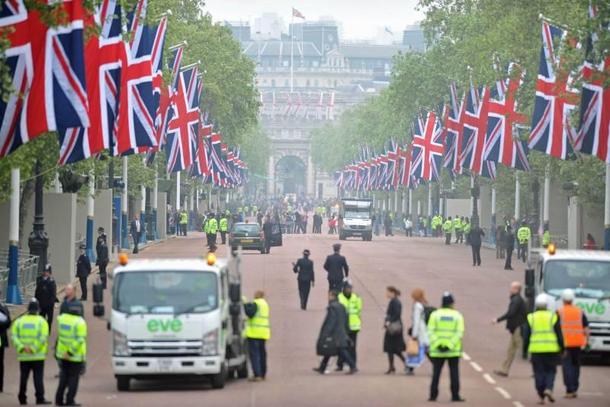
177 317
357 218
587 272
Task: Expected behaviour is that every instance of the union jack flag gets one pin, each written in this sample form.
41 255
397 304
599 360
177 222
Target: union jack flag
201 165
47 70
551 129
429 145
454 131
475 130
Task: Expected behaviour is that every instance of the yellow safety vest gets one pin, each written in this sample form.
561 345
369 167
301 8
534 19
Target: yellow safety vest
213 226
524 234
224 224
184 218
353 307
542 338
33 331
546 238
446 329
447 226
258 326
71 338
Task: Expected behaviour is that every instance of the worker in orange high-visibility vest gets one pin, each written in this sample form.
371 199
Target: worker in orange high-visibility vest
574 326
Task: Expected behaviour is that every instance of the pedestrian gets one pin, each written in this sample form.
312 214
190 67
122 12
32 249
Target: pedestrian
446 330
5 323
135 229
102 258
30 334
447 228
46 294
267 234
524 235
83 269
393 340
575 330
71 354
305 277
509 247
457 228
544 340
184 220
353 306
258 332
408 227
500 241
475 237
590 243
387 223
515 317
333 339
419 329
336 268
223 226
69 299
212 229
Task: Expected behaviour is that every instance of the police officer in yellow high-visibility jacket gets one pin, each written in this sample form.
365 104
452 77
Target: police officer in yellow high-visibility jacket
30 334
258 331
184 220
445 330
353 306
447 228
524 234
71 352
223 225
212 230
544 340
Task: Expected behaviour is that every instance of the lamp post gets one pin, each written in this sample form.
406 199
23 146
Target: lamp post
475 192
38 241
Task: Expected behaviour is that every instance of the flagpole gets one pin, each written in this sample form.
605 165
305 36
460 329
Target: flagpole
178 191
547 197
124 206
607 211
292 52
517 197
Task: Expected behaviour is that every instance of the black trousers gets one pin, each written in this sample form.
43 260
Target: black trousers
335 285
522 252
447 238
267 246
454 375
37 367
343 354
571 369
69 375
1 368
409 232
304 287
258 357
136 239
223 237
476 255
103 276
47 313
351 349
83 287
545 369
508 264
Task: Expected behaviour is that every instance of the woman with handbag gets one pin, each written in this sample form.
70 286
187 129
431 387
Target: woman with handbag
393 341
418 342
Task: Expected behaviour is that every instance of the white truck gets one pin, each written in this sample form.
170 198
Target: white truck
357 217
177 317
587 272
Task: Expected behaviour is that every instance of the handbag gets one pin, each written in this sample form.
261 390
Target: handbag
412 347
394 328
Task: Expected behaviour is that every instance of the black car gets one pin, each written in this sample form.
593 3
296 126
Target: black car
276 234
247 235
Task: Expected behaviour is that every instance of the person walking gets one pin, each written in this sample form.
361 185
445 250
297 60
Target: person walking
336 268
353 306
408 227
500 241
5 323
102 259
46 294
387 224
446 330
575 330
305 277
135 229
509 247
212 229
30 334
447 228
70 299
544 340
333 339
184 220
524 234
258 332
419 329
457 228
393 340
475 238
515 317
83 269
223 226
71 353
267 234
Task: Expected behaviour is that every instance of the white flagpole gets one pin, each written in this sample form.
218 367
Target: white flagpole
292 51
607 211
517 197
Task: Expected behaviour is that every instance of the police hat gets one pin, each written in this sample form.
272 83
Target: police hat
100 229
48 268
82 246
306 252
33 305
347 284
447 299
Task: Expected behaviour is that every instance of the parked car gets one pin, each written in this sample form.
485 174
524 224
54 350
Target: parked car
276 234
247 235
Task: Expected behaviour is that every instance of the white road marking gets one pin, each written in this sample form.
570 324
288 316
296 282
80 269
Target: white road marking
466 356
489 379
504 393
476 367
517 404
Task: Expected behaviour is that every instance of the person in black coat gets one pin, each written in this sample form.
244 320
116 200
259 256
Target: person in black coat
305 277
509 246
475 237
393 341
101 249
5 323
135 229
267 233
83 269
333 339
336 268
46 294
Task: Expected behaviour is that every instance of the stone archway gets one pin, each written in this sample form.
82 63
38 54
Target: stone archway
290 176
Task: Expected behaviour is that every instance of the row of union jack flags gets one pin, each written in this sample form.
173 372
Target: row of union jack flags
481 130
105 92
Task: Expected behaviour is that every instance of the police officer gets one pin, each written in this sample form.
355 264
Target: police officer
258 332
546 236
457 227
544 341
5 323
524 235
184 220
447 228
30 334
212 229
83 269
71 352
446 329
353 306
46 294
224 228
574 327
305 277
102 258
336 268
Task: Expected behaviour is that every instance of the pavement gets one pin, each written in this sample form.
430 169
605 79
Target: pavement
481 293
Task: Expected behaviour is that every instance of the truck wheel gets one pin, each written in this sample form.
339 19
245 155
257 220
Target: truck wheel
122 383
218 380
242 371
341 236
369 237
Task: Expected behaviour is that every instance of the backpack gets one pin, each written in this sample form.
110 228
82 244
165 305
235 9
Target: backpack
428 310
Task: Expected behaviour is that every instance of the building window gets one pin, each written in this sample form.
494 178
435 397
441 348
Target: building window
316 83
307 83
286 83
273 83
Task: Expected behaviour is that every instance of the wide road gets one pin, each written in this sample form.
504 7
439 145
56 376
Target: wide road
481 294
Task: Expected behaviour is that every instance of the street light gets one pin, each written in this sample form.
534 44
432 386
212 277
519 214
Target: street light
38 241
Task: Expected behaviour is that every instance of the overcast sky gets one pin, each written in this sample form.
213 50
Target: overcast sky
360 19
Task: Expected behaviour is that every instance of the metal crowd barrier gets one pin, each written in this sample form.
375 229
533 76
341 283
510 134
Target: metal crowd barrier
28 271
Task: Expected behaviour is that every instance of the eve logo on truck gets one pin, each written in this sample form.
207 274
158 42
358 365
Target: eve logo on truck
164 325
592 307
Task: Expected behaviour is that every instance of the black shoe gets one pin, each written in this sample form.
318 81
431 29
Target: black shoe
458 400
432 399
391 371
43 402
339 369
317 370
75 404
23 402
352 371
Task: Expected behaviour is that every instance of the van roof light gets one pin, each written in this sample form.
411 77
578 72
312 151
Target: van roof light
123 259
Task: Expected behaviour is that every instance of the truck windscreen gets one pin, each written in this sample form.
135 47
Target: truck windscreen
587 278
160 292
357 214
